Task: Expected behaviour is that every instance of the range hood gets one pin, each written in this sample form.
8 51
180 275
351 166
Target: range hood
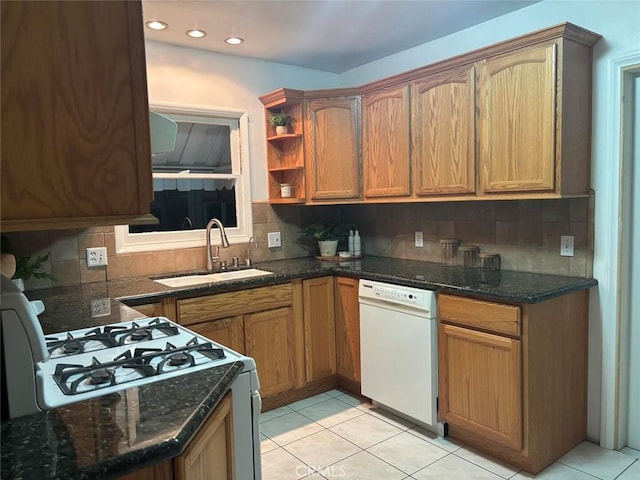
163 133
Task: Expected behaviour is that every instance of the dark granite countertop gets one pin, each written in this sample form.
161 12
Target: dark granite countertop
54 444
69 308
113 435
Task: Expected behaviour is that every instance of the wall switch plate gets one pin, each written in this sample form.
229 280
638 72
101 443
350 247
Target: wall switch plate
96 257
419 239
274 240
566 246
100 307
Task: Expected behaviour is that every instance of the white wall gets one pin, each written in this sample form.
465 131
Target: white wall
193 77
619 24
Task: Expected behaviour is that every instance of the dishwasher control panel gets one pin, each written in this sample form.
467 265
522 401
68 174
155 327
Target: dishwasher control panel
423 300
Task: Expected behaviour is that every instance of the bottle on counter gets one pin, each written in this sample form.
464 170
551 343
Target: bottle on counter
357 244
351 249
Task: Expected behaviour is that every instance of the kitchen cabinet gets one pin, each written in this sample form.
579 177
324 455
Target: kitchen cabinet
319 328
443 132
347 314
332 148
209 456
534 111
75 132
227 331
285 153
386 142
508 121
264 323
512 378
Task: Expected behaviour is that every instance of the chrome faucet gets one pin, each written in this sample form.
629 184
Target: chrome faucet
224 242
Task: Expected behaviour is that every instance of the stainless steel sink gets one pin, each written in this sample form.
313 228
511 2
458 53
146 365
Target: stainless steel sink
187 280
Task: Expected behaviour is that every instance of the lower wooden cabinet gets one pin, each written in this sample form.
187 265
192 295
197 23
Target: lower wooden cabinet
269 341
227 331
347 312
264 323
209 456
513 378
319 328
483 391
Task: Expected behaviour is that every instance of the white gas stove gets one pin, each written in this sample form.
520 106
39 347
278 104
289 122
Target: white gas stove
41 372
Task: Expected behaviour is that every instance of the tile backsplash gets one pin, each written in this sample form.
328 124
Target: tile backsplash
526 233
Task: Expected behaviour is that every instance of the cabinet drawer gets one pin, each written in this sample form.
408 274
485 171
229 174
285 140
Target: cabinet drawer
490 316
222 305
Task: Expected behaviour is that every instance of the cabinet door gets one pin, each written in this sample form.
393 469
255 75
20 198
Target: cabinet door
270 340
443 132
480 384
517 121
385 143
319 328
228 332
76 151
210 455
333 148
347 328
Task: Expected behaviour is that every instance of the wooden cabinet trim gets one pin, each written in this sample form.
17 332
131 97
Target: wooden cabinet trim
198 309
480 314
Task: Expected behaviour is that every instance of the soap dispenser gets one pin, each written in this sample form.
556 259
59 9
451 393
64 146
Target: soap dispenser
351 243
357 244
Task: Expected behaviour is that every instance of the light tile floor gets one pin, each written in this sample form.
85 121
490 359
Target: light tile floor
335 435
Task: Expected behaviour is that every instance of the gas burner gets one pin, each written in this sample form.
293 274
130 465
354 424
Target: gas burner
101 376
71 345
178 359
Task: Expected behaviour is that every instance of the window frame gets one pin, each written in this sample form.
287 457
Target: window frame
153 241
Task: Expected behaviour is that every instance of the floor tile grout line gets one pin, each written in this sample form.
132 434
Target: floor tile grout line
484 468
582 471
628 467
409 474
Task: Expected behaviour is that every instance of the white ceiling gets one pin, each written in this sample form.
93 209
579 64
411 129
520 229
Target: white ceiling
329 35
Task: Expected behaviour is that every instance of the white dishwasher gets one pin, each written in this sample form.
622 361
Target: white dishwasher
399 350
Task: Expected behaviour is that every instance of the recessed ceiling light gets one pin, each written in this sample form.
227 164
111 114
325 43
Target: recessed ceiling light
234 40
157 25
195 33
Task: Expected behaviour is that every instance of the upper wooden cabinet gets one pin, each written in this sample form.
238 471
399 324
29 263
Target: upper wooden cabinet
443 132
75 122
386 143
517 120
508 121
534 119
332 148
285 153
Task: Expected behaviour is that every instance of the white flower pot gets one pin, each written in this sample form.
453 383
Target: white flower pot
282 129
328 248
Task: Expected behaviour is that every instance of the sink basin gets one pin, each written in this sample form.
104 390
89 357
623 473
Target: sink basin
187 280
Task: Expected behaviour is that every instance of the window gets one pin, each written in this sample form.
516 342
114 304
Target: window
206 176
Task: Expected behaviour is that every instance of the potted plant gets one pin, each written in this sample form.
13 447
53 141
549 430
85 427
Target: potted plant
27 267
327 234
281 121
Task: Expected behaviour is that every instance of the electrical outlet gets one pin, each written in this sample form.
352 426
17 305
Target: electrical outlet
100 307
566 246
274 240
419 239
96 257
